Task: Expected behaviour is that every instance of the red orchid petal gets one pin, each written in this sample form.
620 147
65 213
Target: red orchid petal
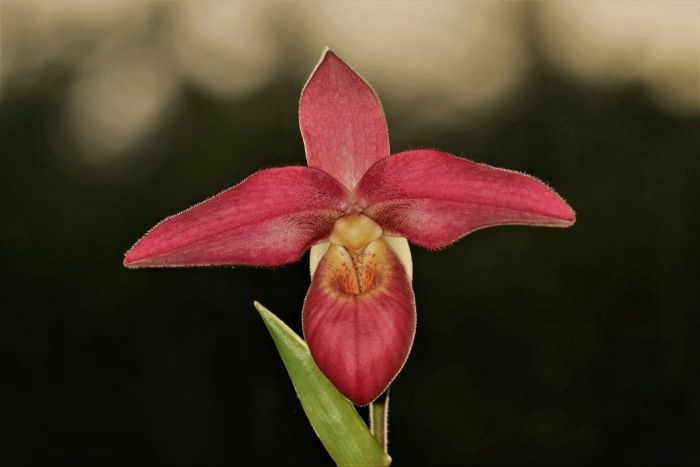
360 326
433 198
271 218
342 122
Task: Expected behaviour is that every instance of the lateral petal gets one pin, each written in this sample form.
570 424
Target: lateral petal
342 122
269 219
359 319
433 198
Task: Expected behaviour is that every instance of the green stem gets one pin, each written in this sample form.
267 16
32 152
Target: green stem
379 420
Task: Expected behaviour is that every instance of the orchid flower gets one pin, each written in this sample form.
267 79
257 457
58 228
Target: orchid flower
355 207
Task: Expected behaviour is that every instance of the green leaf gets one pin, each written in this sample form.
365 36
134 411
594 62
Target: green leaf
340 428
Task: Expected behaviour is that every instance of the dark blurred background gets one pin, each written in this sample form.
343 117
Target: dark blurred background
574 346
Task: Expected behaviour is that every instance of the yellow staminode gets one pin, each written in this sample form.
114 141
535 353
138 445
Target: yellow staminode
355 232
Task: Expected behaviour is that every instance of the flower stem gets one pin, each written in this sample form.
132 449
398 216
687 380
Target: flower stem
379 420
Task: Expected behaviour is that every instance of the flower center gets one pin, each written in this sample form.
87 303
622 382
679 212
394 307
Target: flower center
355 262
354 232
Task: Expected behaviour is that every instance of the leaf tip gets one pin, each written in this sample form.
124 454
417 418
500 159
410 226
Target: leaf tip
259 307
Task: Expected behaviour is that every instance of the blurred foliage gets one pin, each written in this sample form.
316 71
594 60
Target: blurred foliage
533 345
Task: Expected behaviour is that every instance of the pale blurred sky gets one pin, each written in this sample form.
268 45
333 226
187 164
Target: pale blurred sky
133 58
